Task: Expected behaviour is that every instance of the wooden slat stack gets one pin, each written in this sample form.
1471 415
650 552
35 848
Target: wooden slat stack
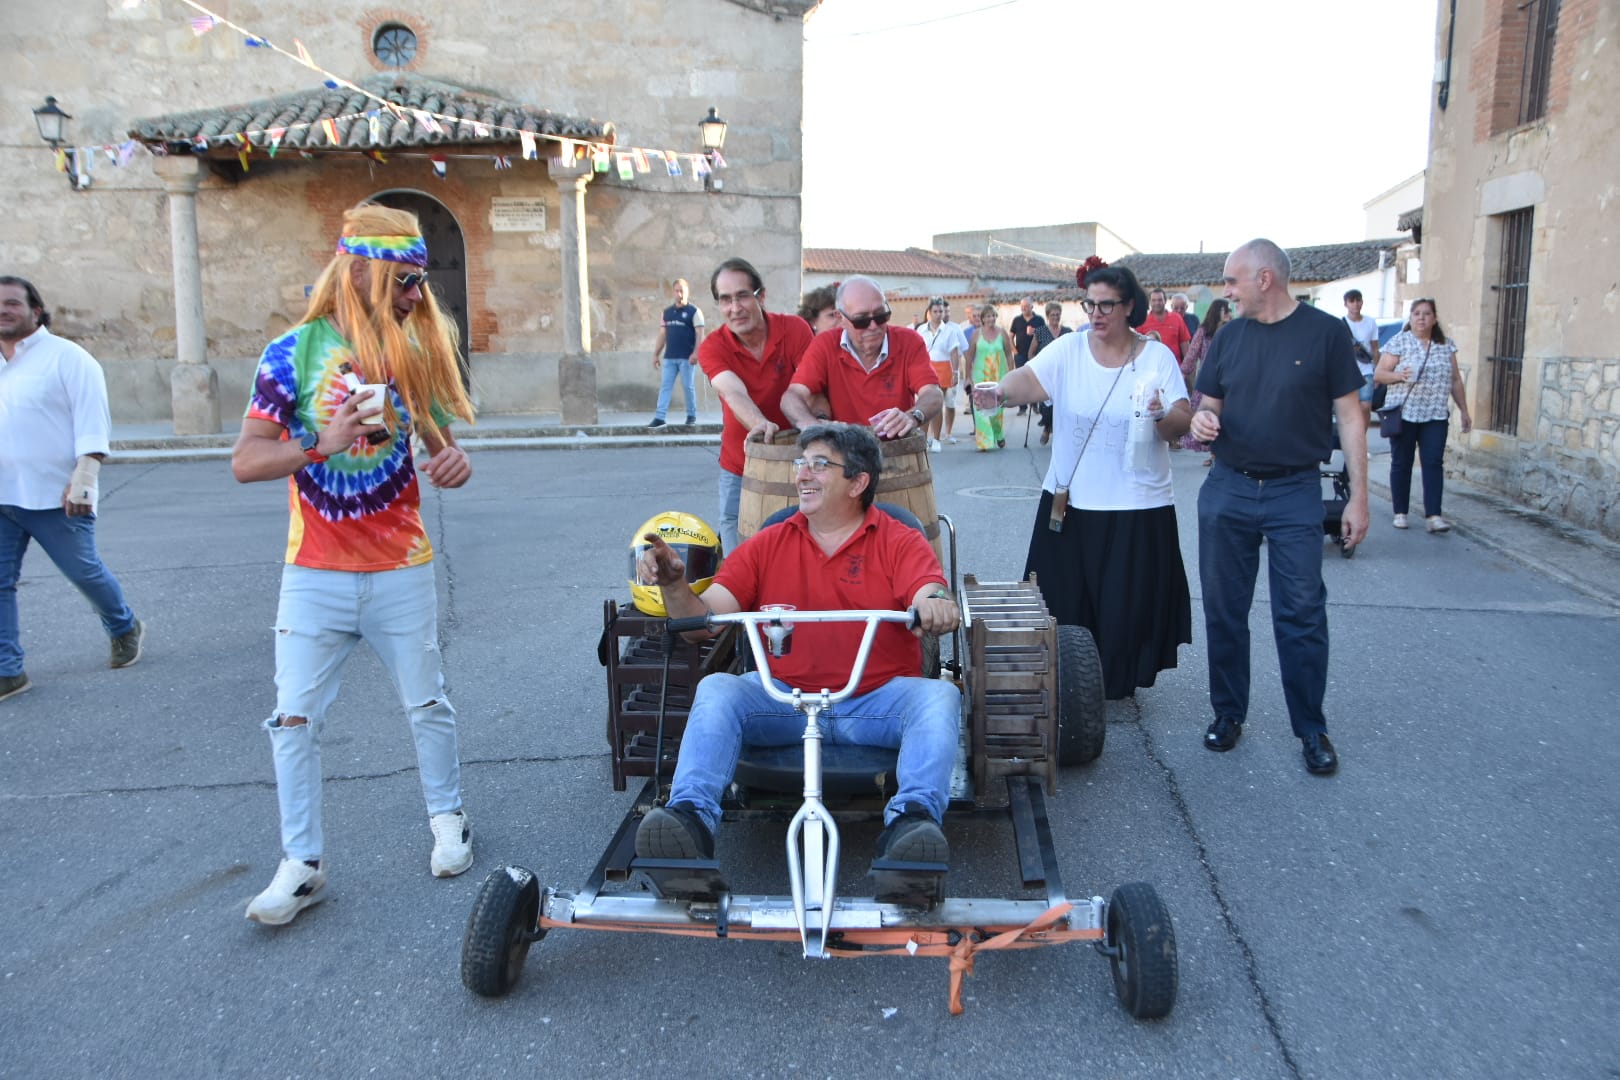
1011 683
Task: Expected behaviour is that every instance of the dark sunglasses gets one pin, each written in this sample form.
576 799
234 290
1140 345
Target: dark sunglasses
861 322
407 282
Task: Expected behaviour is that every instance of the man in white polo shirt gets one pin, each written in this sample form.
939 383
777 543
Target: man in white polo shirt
54 427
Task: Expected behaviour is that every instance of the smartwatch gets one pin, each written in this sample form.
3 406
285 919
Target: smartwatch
917 415
309 442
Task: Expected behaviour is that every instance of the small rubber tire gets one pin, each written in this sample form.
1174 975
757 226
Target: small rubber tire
1082 711
930 656
500 930
1142 951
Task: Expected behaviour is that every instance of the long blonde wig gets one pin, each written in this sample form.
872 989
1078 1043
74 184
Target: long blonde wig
419 355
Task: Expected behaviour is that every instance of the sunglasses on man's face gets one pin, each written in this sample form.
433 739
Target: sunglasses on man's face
861 322
407 282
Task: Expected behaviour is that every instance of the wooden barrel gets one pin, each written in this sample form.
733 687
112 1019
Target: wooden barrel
769 484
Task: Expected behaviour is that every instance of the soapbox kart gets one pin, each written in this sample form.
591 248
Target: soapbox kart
1031 700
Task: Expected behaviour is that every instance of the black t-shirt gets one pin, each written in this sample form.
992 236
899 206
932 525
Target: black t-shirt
1277 383
1023 330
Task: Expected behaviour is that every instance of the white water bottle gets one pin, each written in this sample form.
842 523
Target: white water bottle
1139 447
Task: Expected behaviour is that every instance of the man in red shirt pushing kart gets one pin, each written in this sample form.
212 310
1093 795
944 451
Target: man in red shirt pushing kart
838 553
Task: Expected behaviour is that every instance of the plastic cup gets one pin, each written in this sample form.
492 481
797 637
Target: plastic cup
779 636
371 409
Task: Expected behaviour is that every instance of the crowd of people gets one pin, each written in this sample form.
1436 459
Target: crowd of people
1262 384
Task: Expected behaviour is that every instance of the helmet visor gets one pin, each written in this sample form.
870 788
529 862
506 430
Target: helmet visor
701 560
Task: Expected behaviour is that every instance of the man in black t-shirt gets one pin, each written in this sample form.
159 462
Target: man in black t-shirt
1023 332
1272 382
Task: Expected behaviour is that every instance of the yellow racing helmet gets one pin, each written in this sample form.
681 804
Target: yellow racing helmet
693 540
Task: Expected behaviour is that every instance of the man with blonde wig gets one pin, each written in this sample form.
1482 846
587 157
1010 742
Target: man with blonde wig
358 558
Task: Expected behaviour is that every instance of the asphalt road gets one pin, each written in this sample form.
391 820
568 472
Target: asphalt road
1443 907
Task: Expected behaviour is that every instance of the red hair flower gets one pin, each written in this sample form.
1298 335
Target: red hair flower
1092 263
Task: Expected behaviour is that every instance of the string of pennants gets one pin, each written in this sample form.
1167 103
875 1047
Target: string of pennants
627 161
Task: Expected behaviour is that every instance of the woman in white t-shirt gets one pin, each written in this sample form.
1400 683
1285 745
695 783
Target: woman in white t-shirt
1114 566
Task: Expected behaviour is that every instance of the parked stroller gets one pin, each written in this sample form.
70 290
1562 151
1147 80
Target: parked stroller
1336 472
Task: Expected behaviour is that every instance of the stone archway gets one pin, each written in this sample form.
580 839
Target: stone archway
447 257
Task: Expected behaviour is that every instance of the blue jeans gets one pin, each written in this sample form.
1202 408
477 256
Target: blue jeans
672 368
1427 441
730 499
71 544
322 616
919 717
1235 514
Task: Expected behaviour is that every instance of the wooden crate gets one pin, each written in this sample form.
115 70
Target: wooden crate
1011 681
633 651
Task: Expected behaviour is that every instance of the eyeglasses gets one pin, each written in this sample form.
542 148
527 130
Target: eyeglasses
728 299
861 322
817 465
407 282
1105 306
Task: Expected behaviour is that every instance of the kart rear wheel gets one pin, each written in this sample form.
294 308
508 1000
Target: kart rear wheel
1141 946
500 930
1082 712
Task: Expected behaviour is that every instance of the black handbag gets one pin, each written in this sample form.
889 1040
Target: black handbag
1380 393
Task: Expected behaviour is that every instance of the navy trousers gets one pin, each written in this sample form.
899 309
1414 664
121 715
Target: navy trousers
1235 513
1426 441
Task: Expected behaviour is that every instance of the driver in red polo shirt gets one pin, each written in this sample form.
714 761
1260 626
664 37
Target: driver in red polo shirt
871 373
839 553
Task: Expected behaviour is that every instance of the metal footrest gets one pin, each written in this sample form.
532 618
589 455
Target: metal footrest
683 879
913 884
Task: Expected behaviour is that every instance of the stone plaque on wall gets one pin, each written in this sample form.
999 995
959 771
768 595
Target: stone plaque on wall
517 215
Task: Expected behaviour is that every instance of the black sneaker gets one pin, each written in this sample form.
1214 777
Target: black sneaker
690 420
12 685
913 837
656 423
127 648
673 832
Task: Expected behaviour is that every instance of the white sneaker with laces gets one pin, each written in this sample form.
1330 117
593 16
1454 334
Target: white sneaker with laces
452 844
1400 521
933 446
1437 524
953 440
295 887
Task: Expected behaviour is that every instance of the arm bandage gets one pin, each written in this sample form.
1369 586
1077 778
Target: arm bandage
82 487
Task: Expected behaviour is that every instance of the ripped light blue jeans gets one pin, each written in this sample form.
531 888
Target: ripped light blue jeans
323 614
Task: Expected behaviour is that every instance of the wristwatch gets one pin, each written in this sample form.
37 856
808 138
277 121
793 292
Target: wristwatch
917 415
309 442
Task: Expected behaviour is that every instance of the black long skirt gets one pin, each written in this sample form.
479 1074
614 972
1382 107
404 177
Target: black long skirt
1118 573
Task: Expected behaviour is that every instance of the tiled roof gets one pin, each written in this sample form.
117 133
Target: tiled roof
307 107
910 263
920 262
1412 219
1321 262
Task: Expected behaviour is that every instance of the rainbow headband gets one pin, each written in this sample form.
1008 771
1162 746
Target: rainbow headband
400 249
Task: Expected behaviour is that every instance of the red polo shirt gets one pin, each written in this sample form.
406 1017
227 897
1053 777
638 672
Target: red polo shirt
879 568
766 380
1172 330
856 395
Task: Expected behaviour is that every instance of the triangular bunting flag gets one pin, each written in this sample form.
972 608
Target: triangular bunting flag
275 139
242 156
527 139
438 165
502 162
374 126
672 163
627 168
61 160
716 160
303 54
378 156
329 126
640 157
481 131
201 24
700 166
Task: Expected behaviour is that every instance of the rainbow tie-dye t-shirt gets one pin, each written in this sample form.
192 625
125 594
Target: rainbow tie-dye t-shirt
359 509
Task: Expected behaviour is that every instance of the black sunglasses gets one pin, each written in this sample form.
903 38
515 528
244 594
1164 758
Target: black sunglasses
861 322
407 282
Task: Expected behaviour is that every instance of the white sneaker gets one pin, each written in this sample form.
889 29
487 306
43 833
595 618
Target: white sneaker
452 844
933 446
1400 521
1437 524
295 886
953 440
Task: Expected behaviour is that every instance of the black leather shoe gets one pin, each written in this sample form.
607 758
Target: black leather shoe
1222 735
1319 756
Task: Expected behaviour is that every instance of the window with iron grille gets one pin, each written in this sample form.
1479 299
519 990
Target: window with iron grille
1512 289
1541 27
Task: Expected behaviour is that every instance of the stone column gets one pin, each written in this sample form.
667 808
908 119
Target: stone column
193 385
576 371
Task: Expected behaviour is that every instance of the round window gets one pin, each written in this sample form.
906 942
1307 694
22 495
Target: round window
394 45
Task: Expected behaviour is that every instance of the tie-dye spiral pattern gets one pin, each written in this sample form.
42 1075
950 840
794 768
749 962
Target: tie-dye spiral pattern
359 509
400 249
